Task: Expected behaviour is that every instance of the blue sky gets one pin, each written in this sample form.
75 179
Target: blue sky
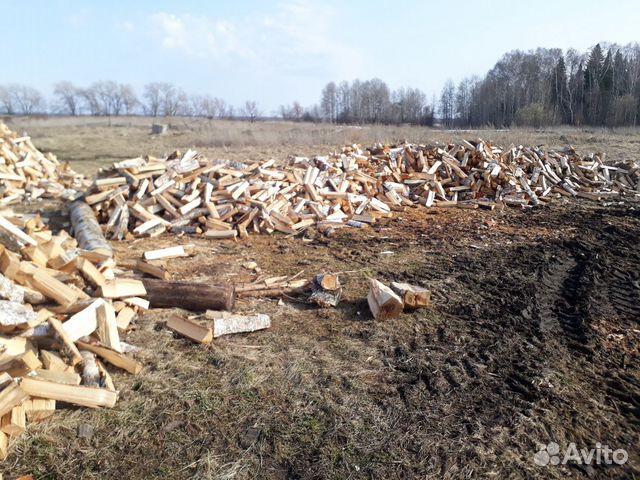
278 52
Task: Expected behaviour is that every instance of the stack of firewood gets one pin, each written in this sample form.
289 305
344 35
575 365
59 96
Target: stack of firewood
62 313
190 193
28 174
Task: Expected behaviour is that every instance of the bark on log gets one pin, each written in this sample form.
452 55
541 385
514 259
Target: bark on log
86 229
189 296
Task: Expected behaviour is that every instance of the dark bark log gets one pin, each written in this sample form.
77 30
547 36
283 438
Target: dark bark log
190 296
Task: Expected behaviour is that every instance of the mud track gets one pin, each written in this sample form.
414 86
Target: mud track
528 352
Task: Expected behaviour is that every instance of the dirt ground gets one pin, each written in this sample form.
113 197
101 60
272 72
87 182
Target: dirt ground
532 337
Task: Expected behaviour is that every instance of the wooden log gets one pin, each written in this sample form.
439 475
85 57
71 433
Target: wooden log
225 323
14 422
169 252
123 287
11 396
53 362
90 370
12 237
118 359
74 394
89 271
412 295
190 329
21 365
326 290
84 322
153 270
190 296
13 314
86 229
108 327
124 318
39 409
70 350
69 378
54 289
383 302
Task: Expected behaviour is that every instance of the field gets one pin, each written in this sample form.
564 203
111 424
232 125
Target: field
533 335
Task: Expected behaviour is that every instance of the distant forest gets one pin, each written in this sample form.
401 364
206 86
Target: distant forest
600 87
542 87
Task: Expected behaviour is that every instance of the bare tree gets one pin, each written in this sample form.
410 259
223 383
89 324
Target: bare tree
129 99
447 106
27 100
6 100
91 101
251 110
329 102
67 98
153 97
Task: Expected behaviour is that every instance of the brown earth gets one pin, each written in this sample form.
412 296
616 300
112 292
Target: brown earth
533 337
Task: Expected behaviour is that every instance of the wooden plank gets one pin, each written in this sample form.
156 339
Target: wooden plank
117 359
190 329
107 327
11 396
54 289
71 351
75 394
14 422
153 270
169 252
89 271
123 287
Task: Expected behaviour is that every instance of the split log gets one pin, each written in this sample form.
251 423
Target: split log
11 396
75 394
225 323
10 291
326 290
14 314
13 423
412 295
117 359
38 409
189 296
190 329
90 371
87 230
383 302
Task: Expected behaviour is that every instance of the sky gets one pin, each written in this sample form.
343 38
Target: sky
282 51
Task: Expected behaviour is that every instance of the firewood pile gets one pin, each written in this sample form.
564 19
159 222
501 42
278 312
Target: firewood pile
28 174
190 193
62 315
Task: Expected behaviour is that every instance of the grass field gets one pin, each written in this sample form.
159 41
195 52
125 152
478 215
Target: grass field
89 142
533 335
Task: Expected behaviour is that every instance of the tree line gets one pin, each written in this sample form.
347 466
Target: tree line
109 98
371 101
600 87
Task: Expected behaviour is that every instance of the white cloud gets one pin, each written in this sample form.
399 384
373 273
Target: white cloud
125 26
199 36
297 38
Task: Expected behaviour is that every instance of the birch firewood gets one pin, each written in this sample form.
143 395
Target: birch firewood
87 230
383 302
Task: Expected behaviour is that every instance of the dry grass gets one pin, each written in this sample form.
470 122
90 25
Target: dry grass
323 393
89 143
